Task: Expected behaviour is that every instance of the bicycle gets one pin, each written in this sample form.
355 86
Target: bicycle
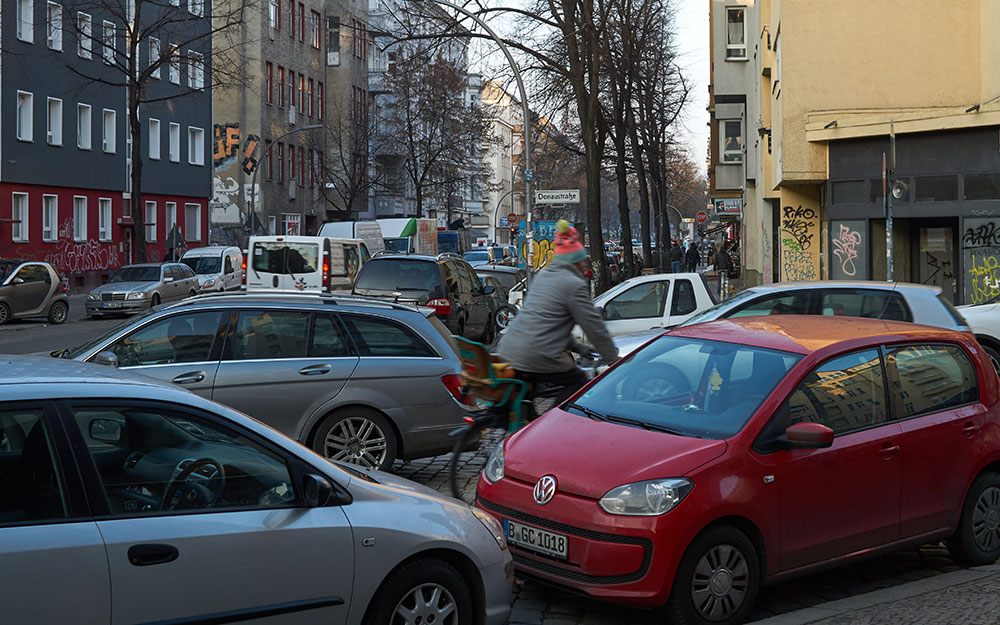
506 401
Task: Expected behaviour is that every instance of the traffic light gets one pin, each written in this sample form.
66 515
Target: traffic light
513 231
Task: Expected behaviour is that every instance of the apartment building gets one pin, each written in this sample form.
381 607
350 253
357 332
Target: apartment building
503 154
65 154
836 83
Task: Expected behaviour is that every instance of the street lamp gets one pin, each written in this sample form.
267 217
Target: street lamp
251 214
496 211
526 124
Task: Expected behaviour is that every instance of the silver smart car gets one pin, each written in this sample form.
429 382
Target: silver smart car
131 497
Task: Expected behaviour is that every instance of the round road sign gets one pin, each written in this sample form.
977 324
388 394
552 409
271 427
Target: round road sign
701 217
512 219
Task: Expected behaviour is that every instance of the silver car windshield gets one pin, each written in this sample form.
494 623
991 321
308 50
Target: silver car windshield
136 274
688 387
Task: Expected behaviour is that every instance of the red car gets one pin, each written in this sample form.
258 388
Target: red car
728 454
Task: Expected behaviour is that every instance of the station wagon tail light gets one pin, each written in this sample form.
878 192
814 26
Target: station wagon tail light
244 269
453 382
441 305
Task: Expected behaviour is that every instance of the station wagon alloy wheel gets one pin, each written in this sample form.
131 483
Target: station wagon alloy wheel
721 579
986 520
427 604
356 440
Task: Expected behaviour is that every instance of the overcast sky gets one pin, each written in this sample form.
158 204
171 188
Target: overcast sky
692 28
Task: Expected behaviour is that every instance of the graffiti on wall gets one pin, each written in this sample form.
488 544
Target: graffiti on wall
222 207
227 148
850 254
799 255
981 251
544 246
765 238
90 255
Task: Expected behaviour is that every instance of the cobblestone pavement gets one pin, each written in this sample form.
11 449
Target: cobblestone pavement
536 604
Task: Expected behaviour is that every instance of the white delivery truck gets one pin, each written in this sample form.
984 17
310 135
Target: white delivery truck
410 236
368 231
297 264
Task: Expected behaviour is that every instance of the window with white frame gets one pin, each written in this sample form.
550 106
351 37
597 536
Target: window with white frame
272 13
104 219
150 217
26 20
731 136
736 33
79 218
84 126
175 3
196 7
19 218
110 131
54 121
154 139
174 71
272 225
108 41
196 70
154 57
192 222
196 146
175 142
50 218
53 21
171 216
314 28
84 27
25 118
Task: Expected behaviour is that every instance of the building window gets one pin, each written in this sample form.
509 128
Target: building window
196 70
196 7
732 141
154 57
360 38
110 131
274 13
192 222
302 167
291 18
281 163
312 169
25 121
54 22
290 223
104 219
982 187
314 26
302 93
269 167
50 218
936 188
736 33
270 83
849 192
171 216
26 20
319 100
281 87
108 41
312 100
291 89
175 142
79 218
19 218
291 162
302 22
154 139
174 71
150 219
196 146
84 47
54 121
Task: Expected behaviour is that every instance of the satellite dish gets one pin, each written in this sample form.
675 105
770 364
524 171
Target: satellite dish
899 189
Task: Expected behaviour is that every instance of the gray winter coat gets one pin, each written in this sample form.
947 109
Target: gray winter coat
538 337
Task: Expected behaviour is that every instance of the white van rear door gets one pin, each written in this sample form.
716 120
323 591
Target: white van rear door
285 266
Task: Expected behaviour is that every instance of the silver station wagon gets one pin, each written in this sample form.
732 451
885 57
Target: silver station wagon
359 380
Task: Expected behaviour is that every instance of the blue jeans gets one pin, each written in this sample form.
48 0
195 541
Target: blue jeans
675 266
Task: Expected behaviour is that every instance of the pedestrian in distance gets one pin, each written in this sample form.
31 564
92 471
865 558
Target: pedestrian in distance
693 257
676 258
723 264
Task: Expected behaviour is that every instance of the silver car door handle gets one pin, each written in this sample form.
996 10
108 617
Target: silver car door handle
315 370
190 378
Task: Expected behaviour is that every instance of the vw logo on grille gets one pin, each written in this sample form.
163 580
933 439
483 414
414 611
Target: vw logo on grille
545 489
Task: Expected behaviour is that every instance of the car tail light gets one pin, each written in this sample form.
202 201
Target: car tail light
244 270
441 306
326 271
453 382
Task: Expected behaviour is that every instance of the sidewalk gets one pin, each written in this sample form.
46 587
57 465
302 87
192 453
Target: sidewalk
969 596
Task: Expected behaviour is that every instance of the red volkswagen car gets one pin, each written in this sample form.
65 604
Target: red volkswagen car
733 453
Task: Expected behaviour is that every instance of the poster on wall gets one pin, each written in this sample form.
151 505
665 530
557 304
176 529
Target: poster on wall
799 239
848 250
981 253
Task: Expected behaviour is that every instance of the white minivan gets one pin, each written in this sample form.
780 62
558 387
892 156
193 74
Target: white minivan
217 267
300 264
368 231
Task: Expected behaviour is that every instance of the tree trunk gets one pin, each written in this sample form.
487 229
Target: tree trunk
138 216
640 174
623 207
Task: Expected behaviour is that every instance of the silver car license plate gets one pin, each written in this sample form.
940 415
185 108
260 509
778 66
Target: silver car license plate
112 304
537 539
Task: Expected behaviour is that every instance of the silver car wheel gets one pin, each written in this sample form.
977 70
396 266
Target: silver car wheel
503 317
427 604
986 520
356 440
4 314
720 584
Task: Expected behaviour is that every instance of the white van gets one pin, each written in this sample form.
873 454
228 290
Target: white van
218 267
368 231
297 264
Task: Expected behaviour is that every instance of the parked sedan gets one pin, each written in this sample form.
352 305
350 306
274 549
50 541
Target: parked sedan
135 288
741 451
140 502
31 289
359 380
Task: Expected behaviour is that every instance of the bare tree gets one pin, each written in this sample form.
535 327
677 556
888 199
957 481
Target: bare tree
139 40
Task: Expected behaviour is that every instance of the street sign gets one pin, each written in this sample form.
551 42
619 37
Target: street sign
562 196
702 217
512 219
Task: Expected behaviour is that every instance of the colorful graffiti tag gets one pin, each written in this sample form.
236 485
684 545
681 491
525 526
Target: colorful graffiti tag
227 148
981 251
544 248
77 256
799 257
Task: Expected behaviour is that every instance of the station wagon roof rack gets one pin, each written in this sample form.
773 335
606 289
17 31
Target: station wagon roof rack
326 298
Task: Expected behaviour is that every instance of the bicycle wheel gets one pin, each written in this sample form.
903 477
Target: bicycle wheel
465 436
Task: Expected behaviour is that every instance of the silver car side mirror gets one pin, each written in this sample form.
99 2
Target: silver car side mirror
17 281
106 358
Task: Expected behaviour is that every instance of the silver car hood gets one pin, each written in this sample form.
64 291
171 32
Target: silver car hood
120 287
628 343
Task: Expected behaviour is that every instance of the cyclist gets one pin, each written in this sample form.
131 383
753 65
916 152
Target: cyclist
538 340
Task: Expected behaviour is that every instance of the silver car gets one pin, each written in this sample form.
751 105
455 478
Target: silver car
31 289
361 380
137 502
135 288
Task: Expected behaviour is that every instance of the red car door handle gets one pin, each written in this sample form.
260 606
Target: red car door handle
970 429
888 451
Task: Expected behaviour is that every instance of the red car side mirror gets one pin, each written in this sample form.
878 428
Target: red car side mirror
808 436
